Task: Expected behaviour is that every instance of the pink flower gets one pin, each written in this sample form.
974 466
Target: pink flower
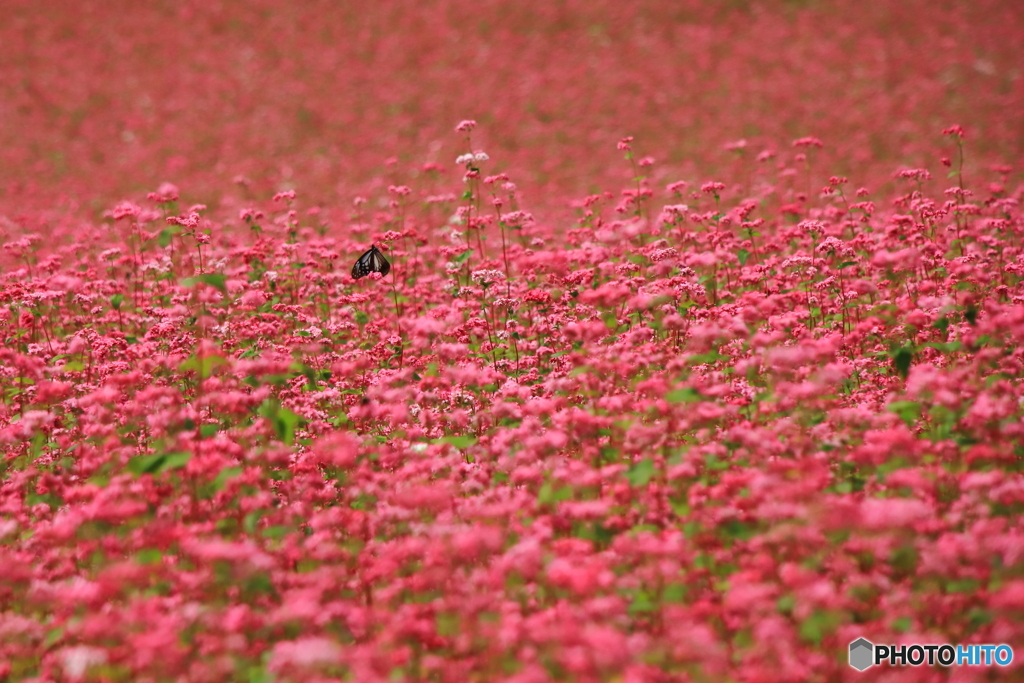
954 131
879 514
304 653
808 142
126 210
78 659
164 194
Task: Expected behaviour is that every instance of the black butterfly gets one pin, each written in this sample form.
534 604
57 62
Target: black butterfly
371 262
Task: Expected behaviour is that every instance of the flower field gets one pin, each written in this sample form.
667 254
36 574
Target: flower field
697 355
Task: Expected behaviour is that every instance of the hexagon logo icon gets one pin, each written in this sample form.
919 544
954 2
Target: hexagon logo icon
861 654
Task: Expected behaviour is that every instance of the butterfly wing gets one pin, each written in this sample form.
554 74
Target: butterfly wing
370 262
380 264
360 267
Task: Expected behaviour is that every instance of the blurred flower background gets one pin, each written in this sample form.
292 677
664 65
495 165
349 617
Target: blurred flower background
100 100
698 353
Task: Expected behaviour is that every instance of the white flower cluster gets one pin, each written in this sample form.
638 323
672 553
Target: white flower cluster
470 158
487 276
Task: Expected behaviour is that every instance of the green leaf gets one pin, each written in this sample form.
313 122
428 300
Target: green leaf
259 674
149 556
902 358
549 494
705 358
116 300
283 420
218 280
580 370
743 255
674 592
962 586
978 617
945 347
276 532
641 473
909 411
903 561
259 583
684 395
203 366
448 624
714 464
734 528
165 237
902 625
156 463
461 258
145 464
53 636
251 520
846 264
458 441
642 603
225 474
173 461
820 624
